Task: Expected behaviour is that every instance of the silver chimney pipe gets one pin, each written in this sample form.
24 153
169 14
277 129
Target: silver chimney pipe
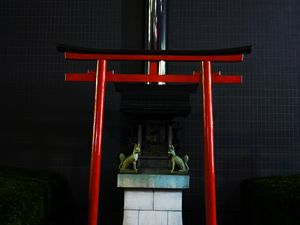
156 29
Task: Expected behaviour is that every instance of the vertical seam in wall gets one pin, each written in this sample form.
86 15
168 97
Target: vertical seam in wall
138 219
153 199
181 194
167 217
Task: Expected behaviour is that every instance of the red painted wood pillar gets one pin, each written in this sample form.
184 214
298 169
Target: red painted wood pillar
95 166
209 167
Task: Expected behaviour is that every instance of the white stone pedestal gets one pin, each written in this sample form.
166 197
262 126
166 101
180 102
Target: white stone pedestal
149 201
152 207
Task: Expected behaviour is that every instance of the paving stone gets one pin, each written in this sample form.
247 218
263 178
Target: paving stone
130 217
174 218
153 218
168 200
138 199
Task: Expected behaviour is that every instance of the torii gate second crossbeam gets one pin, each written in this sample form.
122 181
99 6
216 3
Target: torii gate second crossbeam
206 77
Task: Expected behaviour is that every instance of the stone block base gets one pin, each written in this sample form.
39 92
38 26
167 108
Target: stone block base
152 207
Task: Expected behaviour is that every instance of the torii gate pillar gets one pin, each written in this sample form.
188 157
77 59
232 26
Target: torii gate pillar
95 164
208 133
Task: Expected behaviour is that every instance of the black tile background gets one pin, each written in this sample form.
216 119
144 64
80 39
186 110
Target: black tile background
46 123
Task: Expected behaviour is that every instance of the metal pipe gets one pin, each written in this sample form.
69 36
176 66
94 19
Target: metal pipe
140 130
156 30
170 135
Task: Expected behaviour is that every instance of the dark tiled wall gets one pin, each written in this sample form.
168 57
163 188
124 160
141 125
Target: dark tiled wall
256 124
46 123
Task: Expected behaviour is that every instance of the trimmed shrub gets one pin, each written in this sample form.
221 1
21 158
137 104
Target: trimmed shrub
271 200
32 198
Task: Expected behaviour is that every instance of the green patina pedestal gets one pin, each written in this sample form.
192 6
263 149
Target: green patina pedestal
153 181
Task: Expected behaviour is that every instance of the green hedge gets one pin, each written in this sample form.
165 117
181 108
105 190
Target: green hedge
271 200
32 198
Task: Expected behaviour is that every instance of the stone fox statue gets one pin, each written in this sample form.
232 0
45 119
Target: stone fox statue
181 163
132 159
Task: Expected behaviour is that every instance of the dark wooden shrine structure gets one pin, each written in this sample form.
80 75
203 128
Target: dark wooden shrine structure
206 78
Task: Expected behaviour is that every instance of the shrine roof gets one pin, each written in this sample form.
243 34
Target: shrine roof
227 51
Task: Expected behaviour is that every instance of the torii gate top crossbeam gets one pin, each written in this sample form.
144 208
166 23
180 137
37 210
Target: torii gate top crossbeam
219 55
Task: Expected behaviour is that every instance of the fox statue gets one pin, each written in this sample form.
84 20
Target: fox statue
132 159
181 163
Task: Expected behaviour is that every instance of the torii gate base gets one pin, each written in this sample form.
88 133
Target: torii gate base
101 76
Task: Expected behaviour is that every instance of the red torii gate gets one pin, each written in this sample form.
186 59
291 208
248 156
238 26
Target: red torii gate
101 76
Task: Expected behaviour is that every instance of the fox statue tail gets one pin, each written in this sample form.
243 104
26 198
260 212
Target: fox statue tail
185 160
122 158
